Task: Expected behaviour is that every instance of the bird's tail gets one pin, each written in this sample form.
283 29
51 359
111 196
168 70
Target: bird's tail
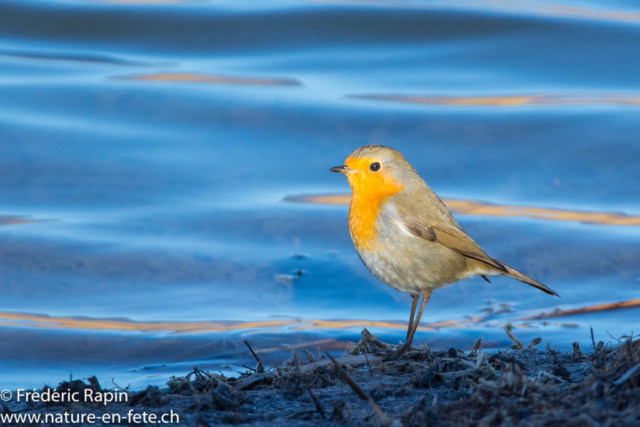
512 272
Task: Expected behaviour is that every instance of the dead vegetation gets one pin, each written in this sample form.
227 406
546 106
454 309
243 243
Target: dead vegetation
372 385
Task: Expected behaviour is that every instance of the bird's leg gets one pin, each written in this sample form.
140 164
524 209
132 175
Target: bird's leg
413 311
426 295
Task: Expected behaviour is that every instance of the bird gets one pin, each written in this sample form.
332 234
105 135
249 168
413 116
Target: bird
405 235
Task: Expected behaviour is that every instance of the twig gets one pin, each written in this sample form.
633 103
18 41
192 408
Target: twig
355 387
317 403
534 343
456 373
553 352
200 374
196 398
346 360
368 364
260 367
480 359
515 340
310 358
296 364
117 386
612 337
546 374
628 374
367 340
577 352
384 419
241 385
252 352
462 361
477 347
595 348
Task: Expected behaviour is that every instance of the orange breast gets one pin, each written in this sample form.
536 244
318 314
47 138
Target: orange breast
370 193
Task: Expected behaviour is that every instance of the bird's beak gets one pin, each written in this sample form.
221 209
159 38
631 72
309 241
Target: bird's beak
342 169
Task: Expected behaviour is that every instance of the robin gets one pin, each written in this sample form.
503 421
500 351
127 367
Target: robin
406 236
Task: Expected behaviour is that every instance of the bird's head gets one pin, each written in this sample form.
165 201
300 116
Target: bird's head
376 170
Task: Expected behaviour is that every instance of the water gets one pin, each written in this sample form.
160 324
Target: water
164 166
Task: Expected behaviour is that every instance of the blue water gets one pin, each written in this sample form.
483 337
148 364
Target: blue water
148 147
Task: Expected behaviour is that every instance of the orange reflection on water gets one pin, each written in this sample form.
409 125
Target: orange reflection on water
11 220
478 208
590 309
469 207
510 101
565 10
146 1
209 78
44 321
322 199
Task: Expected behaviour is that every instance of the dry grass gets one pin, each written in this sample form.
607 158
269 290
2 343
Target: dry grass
375 385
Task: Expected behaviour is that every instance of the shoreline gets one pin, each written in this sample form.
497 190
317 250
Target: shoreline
526 384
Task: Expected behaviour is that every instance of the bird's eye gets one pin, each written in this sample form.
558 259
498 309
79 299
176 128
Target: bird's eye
375 167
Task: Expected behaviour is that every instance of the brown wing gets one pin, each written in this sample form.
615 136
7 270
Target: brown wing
455 239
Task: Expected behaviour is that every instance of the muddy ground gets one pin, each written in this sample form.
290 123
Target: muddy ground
526 385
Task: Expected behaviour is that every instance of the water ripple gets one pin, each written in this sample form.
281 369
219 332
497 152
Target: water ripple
209 78
519 7
74 57
510 100
179 327
470 207
183 327
589 309
12 220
